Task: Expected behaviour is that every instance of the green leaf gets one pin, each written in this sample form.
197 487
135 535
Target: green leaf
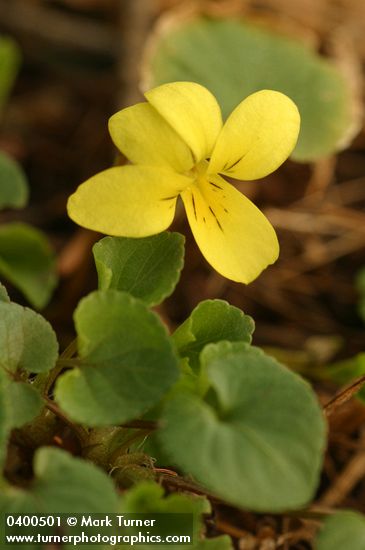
211 321
234 59
4 296
148 268
23 402
149 498
127 361
27 261
61 484
19 404
342 530
27 340
257 440
9 65
13 187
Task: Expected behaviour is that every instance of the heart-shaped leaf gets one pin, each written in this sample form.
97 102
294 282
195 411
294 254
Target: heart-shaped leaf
27 340
234 58
258 437
62 484
148 268
211 321
127 361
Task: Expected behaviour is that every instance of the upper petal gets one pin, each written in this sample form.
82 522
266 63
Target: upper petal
192 111
144 137
128 201
257 137
234 236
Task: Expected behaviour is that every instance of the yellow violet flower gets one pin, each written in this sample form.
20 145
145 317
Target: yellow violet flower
179 146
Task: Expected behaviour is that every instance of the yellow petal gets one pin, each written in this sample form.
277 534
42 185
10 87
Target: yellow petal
257 137
144 137
129 201
192 111
232 234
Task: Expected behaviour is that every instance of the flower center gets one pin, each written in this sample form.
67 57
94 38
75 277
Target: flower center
198 173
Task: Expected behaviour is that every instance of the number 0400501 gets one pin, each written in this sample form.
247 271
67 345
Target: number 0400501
34 521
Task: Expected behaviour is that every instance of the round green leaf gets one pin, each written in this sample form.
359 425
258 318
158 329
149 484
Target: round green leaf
258 438
13 187
23 403
344 530
127 361
148 268
62 484
233 59
210 322
27 340
19 404
27 261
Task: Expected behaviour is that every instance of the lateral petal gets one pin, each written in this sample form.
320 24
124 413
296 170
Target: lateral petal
233 235
145 137
129 201
192 111
257 137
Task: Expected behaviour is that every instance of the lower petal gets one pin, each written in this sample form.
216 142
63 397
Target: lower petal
128 201
233 235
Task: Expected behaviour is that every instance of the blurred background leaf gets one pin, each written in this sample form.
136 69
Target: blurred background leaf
344 529
13 183
27 261
9 65
233 59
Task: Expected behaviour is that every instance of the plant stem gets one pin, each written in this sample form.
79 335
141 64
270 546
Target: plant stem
344 395
148 425
44 381
81 432
70 350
